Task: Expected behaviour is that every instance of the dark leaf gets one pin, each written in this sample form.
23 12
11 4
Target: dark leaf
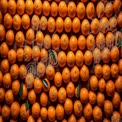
21 90
45 83
27 104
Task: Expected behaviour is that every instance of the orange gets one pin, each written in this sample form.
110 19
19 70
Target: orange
46 89
85 27
117 4
64 120
67 24
81 119
40 69
75 74
116 116
84 73
68 106
4 66
110 88
7 20
73 43
25 21
2 32
72 118
24 92
108 108
90 10
84 95
79 58
81 42
62 8
106 55
100 9
15 87
15 109
37 85
46 8
12 7
29 7
43 113
9 97
98 71
43 23
59 111
118 84
113 23
4 6
114 70
32 96
120 108
71 9
92 97
106 120
39 39
54 9
53 93
100 99
20 54
43 99
84 1
20 7
24 114
47 42
1 118
51 113
39 119
120 66
78 108
80 10
93 83
35 110
61 95
12 56
108 9
70 59
2 95
88 111
58 79
7 80
76 25
59 24
66 75
64 41
37 7
95 26
97 113
19 38
30 119
55 42
16 22
36 53
22 71
1 78
5 112
102 85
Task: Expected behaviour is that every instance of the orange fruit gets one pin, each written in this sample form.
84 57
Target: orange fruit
106 120
16 22
43 113
85 27
81 119
24 114
97 113
43 99
1 78
4 66
35 22
106 55
75 74
70 59
7 80
46 89
25 21
22 71
88 111
73 43
84 95
29 7
113 23
58 79
67 24
72 118
59 111
37 7
32 96
37 85
116 116
68 106
84 73
39 119
43 23
76 25
110 88
62 9
100 99
98 71
114 70
9 97
120 108
117 4
30 119
47 42
92 97
1 118
20 7
39 39
12 7
100 9
4 6
93 83
54 9
81 42
66 75
108 108
40 69
15 87
5 112
12 56
36 110
78 108
95 26
108 9
119 65
118 84
2 95
46 8
36 53
61 95
2 32
24 92
51 113
71 9
55 42
20 54
80 10
64 120
59 24
90 10
15 109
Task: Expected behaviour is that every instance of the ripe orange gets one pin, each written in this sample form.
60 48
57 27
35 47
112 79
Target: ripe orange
20 7
4 6
81 42
120 108
95 26
61 95
47 42
43 99
98 71
40 69
116 116
30 119
32 96
81 119
54 9
12 7
29 7
2 32
100 99
36 53
15 87
46 8
72 118
16 22
51 113
75 74
5 112
12 56
118 84
93 83
1 78
76 25
22 71
73 43
43 23
35 22
58 79
55 42
117 4
43 113
102 85
70 59
2 95
120 66
92 97
108 9
106 55
59 24
114 54
67 24
20 54
24 92
59 111
44 55
114 70
35 110
113 23
37 6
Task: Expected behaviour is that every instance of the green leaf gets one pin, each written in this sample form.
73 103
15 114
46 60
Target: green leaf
27 104
21 90
119 43
78 90
51 53
45 83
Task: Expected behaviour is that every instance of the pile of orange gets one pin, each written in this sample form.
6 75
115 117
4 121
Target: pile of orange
60 61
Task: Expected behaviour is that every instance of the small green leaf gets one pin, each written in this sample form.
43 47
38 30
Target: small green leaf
51 53
78 90
27 104
45 83
119 43
21 90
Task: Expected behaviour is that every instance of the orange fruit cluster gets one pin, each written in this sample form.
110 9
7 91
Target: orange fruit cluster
60 61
